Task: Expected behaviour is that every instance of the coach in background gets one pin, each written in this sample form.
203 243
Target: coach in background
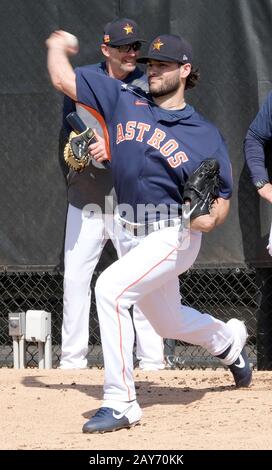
257 137
257 145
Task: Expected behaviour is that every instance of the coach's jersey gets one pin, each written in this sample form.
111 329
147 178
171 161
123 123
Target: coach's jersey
258 143
95 182
153 150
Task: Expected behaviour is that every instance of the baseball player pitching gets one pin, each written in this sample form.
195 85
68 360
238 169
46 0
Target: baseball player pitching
158 141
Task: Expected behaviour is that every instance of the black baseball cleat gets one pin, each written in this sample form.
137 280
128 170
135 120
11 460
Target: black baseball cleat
108 419
241 370
235 356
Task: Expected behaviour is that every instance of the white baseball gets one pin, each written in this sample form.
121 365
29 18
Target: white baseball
71 40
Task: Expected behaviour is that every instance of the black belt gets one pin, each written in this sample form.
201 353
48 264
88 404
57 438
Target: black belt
140 230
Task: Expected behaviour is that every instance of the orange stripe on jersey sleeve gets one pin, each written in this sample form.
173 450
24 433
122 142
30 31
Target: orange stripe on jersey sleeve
103 125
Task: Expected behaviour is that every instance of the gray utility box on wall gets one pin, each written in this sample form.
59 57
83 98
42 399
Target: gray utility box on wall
17 324
17 328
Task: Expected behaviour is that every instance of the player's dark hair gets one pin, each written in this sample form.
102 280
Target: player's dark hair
192 79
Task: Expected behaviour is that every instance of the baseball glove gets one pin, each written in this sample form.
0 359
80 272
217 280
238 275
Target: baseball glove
201 189
76 153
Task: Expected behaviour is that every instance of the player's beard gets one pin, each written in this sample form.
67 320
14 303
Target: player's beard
156 89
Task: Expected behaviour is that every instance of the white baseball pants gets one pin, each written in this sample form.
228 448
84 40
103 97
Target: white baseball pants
85 239
148 275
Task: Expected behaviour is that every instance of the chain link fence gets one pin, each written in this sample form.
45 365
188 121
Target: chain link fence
226 293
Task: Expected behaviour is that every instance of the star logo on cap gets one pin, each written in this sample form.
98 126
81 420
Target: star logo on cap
157 45
128 29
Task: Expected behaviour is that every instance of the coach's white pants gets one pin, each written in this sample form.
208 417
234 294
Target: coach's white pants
148 275
85 239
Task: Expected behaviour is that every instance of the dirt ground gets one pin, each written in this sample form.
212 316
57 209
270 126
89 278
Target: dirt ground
45 409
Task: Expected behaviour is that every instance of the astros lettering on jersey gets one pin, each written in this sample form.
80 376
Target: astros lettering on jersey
154 153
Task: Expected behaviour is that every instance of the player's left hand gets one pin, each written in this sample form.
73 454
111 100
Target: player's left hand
218 213
97 150
203 223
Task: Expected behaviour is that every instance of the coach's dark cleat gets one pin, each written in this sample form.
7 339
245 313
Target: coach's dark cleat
241 370
108 419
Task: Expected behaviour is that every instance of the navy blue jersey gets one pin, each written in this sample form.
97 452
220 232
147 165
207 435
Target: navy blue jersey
258 135
153 150
137 78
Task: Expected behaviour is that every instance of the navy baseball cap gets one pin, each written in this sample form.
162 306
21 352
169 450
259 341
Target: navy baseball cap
169 48
121 31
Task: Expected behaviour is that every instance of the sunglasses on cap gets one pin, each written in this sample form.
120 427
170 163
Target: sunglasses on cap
135 46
